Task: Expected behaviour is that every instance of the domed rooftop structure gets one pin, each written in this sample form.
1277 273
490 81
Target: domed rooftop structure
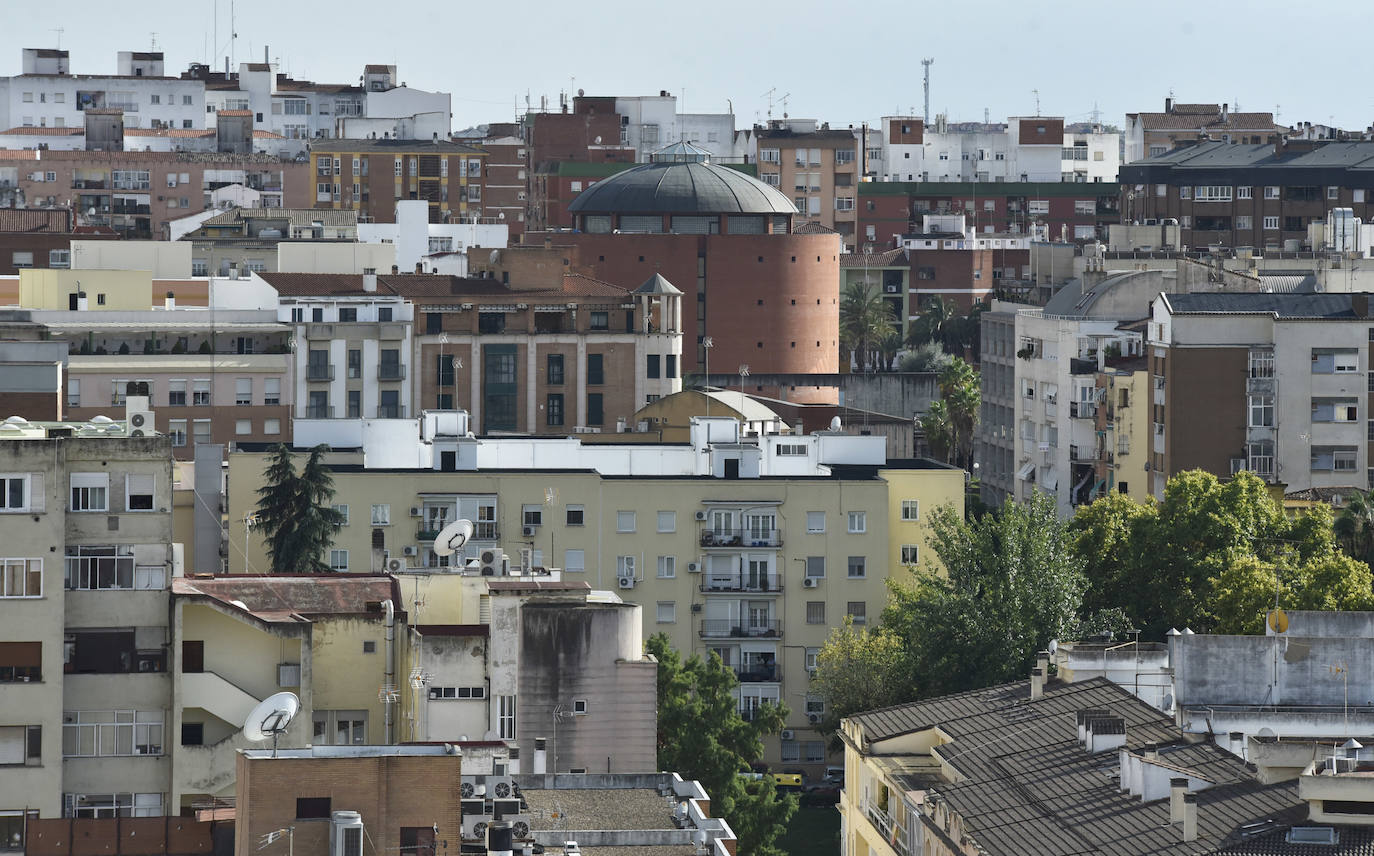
681 180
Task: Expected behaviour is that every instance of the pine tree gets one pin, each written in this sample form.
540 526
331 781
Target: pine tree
295 512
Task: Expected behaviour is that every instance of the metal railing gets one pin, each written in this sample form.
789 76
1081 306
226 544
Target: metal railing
757 672
742 583
741 538
319 373
386 371
728 628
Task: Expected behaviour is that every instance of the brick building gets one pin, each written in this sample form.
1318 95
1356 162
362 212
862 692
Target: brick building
41 238
370 175
817 167
1150 134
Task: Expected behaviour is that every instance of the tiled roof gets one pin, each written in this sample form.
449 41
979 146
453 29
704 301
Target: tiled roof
237 113
811 227
415 286
34 219
1026 785
413 147
1350 841
317 284
891 258
1199 119
577 285
293 598
45 132
179 133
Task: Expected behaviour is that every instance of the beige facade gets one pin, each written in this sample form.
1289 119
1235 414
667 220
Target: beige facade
819 169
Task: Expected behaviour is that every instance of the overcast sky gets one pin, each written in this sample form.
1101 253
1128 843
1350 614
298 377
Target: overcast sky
842 62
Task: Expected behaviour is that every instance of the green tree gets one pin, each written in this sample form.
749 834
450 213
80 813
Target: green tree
938 430
1011 584
1354 526
865 318
930 326
295 513
960 390
702 736
860 669
929 357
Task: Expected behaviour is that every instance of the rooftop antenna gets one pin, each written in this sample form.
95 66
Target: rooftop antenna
783 99
271 718
59 31
769 96
707 343
927 62
152 41
1036 93
1097 114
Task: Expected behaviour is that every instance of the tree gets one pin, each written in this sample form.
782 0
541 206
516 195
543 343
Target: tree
865 318
938 430
860 669
1012 585
702 736
295 512
959 388
1354 526
930 326
929 357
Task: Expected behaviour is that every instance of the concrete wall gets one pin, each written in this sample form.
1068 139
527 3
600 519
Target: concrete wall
317 257
1271 670
163 258
898 394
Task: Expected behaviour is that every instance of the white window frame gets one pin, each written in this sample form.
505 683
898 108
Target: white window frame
26 489
88 484
862 568
569 555
1245 192
858 522
338 561
625 522
133 484
667 521
666 612
505 717
911 554
1271 223
1271 191
18 576
381 514
625 567
667 567
811 527
911 510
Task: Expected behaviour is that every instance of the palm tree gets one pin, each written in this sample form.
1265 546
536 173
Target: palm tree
865 318
933 324
936 425
1354 526
960 392
296 513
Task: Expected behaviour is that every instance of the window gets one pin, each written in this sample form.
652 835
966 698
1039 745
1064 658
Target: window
14 492
1261 411
553 409
910 554
176 429
795 450
858 610
595 370
21 662
667 567
554 370
21 578
338 561
505 717
1271 192
313 808
574 515
600 321
1271 223
858 521
667 612
342 511
624 521
857 569
200 431
815 522
1244 192
1346 362
911 509
1212 193
200 392
574 561
107 733
99 568
625 566
90 492
1244 222
595 409
653 366
138 492
381 515
815 612
271 426
667 521
815 567
20 745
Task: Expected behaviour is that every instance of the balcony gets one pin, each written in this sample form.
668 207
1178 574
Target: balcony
741 583
1082 410
319 411
386 371
729 628
754 673
390 411
721 538
89 184
319 373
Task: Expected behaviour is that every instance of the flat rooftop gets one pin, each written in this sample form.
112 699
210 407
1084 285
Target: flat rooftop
601 809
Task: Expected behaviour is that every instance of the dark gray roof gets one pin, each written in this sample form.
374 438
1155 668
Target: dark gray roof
681 188
657 284
1282 305
1350 841
1026 785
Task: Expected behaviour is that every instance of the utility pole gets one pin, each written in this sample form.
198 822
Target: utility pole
927 62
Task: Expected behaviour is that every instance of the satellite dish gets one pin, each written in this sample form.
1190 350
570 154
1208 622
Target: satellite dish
452 537
271 718
1278 621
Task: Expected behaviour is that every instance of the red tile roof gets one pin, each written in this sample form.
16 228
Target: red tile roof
180 133
45 132
239 113
1211 121
294 598
434 286
35 220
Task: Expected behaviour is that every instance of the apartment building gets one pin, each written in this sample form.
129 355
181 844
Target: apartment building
433 247
649 122
137 194
1060 211
1263 195
370 175
886 273
1023 149
995 445
1151 134
47 95
507 190
40 238
950 260
1123 426
1263 382
84 656
752 547
817 168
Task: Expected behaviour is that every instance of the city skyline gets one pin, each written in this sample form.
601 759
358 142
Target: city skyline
1070 66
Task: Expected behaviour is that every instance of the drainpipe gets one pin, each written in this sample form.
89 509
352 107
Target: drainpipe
389 675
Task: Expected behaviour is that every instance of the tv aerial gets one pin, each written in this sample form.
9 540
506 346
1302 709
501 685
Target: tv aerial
271 718
452 537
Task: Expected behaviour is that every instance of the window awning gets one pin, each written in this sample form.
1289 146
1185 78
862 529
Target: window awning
1051 482
1027 471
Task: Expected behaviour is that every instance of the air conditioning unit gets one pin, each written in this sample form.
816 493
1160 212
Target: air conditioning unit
411 550
527 531
492 561
475 826
140 424
472 787
503 788
416 511
892 288
395 566
813 718
788 734
700 515
627 582
811 582
694 567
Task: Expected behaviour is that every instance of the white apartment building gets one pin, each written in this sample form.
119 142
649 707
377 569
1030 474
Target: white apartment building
1024 149
650 122
85 519
48 95
441 246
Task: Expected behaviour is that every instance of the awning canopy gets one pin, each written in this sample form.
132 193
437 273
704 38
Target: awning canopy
1027 471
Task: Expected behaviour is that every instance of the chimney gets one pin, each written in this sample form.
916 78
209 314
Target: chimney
513 768
1037 684
1169 104
500 838
419 267
1190 817
541 756
170 302
1225 110
1150 751
1042 660
1237 740
1178 787
369 282
265 60
395 269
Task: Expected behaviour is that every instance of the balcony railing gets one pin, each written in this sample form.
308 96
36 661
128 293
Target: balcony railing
319 373
394 411
390 372
741 538
742 583
1082 410
757 672
319 411
727 628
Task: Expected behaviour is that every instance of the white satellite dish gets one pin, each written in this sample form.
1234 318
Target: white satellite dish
452 537
271 718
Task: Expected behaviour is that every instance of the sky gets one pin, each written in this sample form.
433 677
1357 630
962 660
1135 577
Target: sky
841 62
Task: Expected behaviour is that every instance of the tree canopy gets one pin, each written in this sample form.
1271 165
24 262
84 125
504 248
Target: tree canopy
295 512
702 736
866 320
